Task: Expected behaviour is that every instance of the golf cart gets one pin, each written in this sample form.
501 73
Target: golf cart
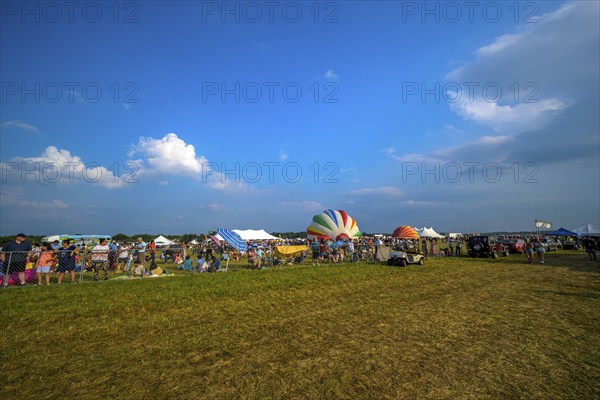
404 255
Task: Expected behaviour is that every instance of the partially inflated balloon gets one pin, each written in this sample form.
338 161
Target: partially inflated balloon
334 224
405 232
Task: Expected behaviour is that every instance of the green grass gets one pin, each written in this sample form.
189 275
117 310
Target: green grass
456 328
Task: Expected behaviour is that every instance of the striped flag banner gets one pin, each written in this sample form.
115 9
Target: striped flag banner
233 239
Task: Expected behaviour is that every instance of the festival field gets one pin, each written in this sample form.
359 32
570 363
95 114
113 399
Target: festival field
456 328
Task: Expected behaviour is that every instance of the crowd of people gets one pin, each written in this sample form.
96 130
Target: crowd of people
138 259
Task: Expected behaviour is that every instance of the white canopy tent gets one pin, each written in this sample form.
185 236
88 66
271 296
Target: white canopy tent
163 241
428 233
587 230
250 234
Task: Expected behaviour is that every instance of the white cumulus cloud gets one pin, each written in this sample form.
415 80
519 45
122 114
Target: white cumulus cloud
518 117
171 155
59 166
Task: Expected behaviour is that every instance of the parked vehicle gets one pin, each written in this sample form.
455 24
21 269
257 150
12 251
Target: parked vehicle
403 256
549 244
486 246
514 245
571 245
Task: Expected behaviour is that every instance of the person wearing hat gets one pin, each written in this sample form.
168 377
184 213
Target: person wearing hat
15 257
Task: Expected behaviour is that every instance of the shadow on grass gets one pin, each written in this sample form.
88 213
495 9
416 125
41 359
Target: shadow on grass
574 260
590 295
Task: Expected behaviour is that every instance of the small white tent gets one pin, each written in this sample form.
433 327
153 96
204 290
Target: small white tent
162 241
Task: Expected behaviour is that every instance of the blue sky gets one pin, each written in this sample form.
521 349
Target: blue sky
186 116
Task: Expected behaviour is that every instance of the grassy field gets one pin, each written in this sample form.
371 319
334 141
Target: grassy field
456 328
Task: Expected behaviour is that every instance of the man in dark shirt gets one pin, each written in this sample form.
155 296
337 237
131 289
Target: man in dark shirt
66 261
15 257
590 247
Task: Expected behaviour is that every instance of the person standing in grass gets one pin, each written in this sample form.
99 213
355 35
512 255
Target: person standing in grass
45 263
141 252
100 259
539 249
15 257
123 256
323 250
66 261
590 247
433 247
259 257
113 255
458 246
350 250
152 251
424 248
529 250
314 246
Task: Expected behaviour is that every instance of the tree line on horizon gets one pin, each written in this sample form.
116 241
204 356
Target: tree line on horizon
188 237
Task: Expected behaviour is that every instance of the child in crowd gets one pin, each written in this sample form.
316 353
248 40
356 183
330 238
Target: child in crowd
45 263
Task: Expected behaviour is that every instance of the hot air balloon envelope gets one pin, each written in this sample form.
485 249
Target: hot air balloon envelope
334 224
405 232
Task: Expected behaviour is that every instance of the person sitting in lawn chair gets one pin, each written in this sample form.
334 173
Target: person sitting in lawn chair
300 259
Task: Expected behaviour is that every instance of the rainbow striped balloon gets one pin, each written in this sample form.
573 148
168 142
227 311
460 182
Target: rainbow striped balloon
334 224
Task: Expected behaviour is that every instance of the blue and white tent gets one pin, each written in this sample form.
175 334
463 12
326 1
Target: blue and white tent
233 239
